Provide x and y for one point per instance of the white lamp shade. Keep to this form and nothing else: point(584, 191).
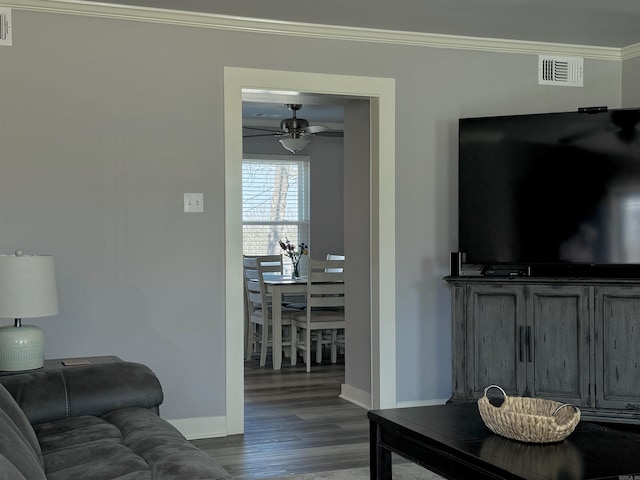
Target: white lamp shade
point(295, 144)
point(27, 286)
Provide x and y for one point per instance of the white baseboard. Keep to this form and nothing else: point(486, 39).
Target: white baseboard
point(355, 396)
point(363, 399)
point(201, 427)
point(422, 403)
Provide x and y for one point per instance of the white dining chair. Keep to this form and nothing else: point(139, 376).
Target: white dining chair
point(260, 309)
point(336, 337)
point(325, 311)
point(250, 272)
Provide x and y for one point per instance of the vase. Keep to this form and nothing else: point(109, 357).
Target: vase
point(295, 272)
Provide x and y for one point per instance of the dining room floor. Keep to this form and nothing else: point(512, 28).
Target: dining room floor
point(295, 423)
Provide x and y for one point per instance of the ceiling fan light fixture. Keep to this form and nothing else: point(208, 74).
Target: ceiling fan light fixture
point(293, 124)
point(295, 144)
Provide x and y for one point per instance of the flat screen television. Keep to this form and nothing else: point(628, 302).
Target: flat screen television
point(555, 193)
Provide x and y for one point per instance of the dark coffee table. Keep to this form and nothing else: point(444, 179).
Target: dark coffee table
point(453, 441)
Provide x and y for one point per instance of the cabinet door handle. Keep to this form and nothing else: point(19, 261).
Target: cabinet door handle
point(529, 339)
point(520, 344)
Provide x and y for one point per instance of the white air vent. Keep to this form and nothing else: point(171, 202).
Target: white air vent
point(567, 71)
point(5, 26)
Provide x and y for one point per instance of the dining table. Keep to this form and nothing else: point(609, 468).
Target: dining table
point(279, 286)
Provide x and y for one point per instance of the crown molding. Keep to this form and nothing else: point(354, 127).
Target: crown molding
point(629, 52)
point(256, 25)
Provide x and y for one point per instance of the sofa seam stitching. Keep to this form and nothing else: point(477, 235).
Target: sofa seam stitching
point(66, 396)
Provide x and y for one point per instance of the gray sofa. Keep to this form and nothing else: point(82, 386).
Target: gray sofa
point(93, 422)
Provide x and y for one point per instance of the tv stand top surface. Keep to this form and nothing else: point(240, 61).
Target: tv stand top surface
point(541, 280)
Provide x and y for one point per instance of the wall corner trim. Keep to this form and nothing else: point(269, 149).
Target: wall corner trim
point(630, 51)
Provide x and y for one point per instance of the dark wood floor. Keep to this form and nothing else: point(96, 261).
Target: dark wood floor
point(294, 423)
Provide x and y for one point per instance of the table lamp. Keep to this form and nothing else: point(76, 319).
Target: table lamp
point(27, 290)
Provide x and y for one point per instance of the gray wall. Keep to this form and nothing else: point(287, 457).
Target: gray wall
point(630, 79)
point(357, 175)
point(104, 123)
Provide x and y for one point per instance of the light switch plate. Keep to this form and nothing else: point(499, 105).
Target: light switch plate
point(5, 27)
point(193, 202)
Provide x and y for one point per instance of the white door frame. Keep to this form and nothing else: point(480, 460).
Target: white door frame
point(381, 93)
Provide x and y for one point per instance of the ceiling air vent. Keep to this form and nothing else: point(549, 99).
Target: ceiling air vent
point(566, 71)
point(5, 26)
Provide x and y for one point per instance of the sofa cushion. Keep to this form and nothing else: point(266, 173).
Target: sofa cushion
point(169, 454)
point(97, 460)
point(75, 431)
point(130, 443)
point(8, 471)
point(18, 442)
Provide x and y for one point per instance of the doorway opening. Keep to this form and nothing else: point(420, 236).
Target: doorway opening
point(381, 94)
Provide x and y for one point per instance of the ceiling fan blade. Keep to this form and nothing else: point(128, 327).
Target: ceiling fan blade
point(331, 133)
point(262, 129)
point(272, 134)
point(312, 129)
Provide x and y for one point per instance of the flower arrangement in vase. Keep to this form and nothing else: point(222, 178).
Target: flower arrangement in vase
point(294, 254)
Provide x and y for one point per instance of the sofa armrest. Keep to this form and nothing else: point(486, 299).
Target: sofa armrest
point(96, 389)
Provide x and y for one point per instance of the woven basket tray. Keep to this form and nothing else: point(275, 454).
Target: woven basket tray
point(532, 420)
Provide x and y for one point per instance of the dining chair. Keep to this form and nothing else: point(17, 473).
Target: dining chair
point(340, 337)
point(325, 311)
point(260, 308)
point(250, 272)
point(339, 340)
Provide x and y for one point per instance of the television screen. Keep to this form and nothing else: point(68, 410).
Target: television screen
point(550, 189)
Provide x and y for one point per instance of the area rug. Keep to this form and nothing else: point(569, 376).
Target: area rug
point(405, 471)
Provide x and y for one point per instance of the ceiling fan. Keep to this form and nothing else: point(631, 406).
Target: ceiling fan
point(294, 133)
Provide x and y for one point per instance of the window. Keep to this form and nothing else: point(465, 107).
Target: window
point(275, 202)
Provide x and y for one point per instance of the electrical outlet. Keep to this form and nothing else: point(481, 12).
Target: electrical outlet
point(193, 202)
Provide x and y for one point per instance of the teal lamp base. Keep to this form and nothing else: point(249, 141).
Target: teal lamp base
point(21, 348)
